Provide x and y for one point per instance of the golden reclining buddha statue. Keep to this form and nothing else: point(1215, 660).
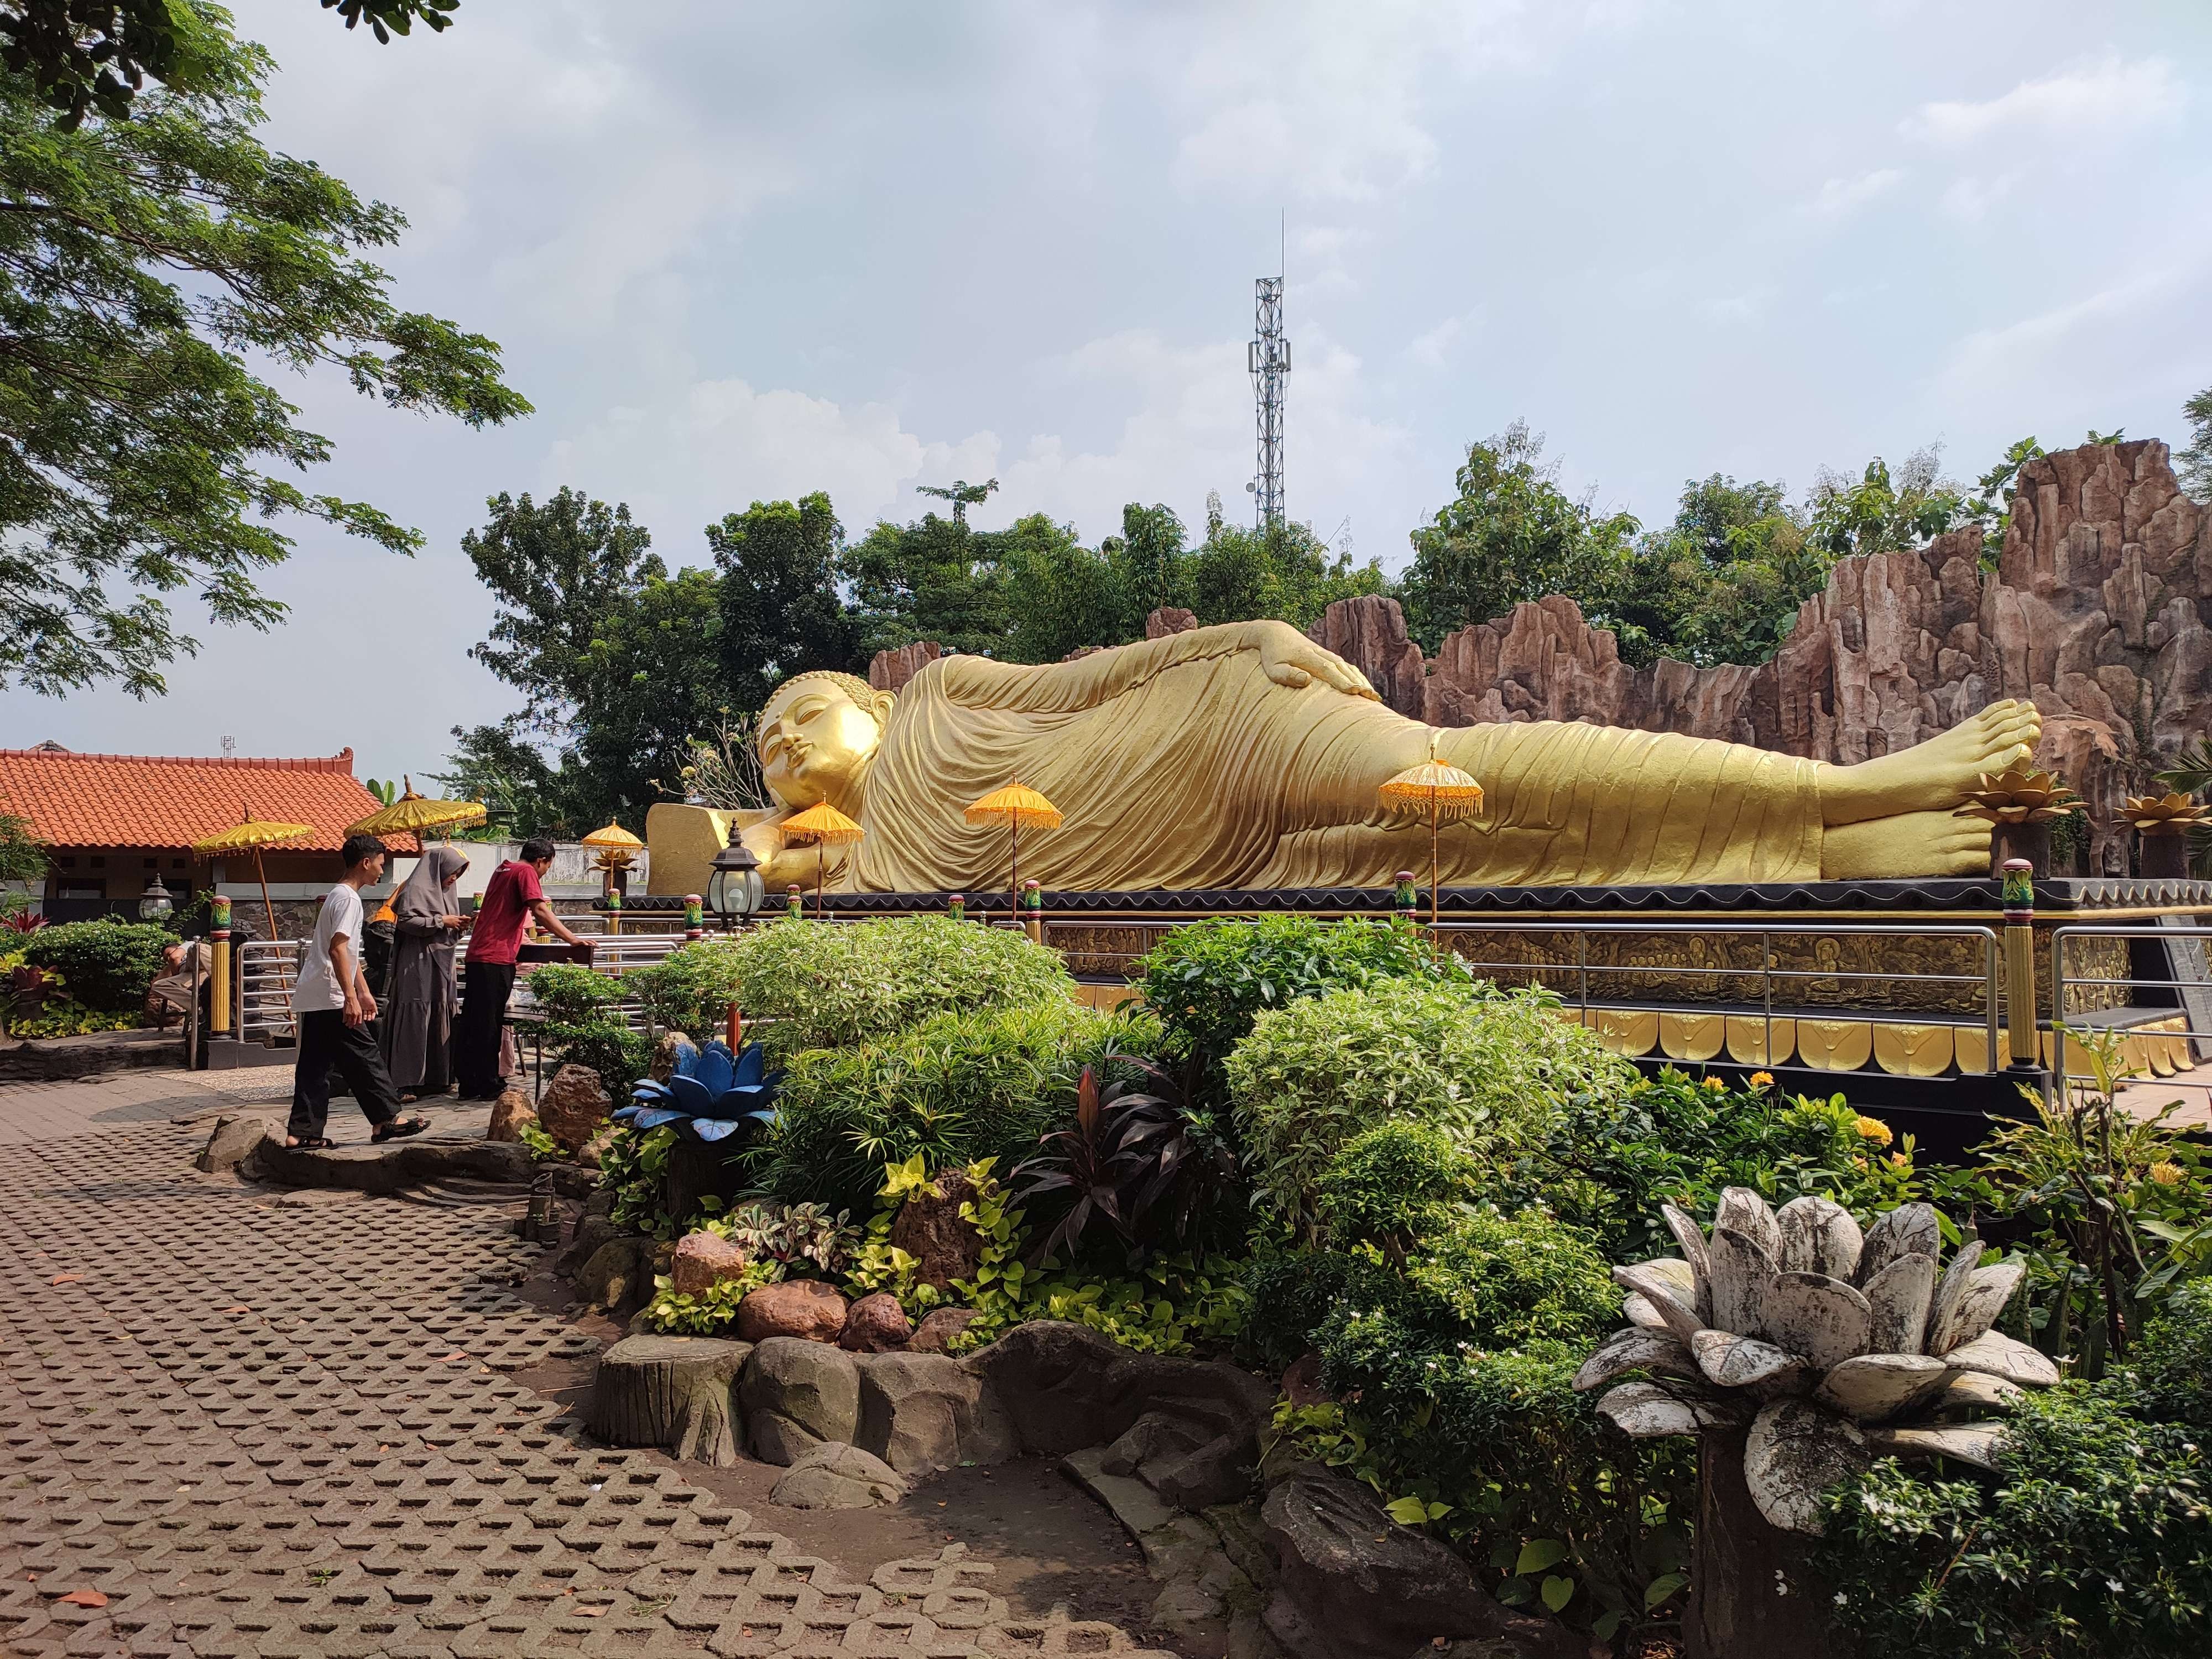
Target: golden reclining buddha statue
point(1245, 756)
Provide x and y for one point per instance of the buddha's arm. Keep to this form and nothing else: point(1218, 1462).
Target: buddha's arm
point(784, 864)
point(1286, 656)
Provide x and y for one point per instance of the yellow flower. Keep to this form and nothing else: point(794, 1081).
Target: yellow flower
point(2168, 1175)
point(1874, 1129)
point(1900, 1161)
point(1715, 1084)
point(1762, 1079)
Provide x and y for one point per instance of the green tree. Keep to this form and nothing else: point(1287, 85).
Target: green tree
point(82, 54)
point(1283, 572)
point(781, 611)
point(1723, 583)
point(1061, 595)
point(2196, 457)
point(522, 793)
point(935, 580)
point(1884, 513)
point(1149, 560)
point(1511, 534)
point(619, 663)
point(141, 262)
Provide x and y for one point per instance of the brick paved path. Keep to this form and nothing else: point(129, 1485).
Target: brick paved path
point(278, 1432)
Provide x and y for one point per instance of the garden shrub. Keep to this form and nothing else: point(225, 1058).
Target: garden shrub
point(1494, 1069)
point(2172, 1369)
point(582, 1025)
point(956, 1088)
point(832, 985)
point(1209, 981)
point(2093, 1542)
point(107, 966)
point(1393, 1185)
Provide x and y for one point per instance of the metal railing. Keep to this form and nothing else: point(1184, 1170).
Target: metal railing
point(2194, 1025)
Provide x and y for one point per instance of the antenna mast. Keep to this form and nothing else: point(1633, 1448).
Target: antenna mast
point(1268, 357)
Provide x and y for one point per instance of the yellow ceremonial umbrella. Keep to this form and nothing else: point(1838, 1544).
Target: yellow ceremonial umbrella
point(411, 814)
point(1444, 792)
point(822, 824)
point(252, 836)
point(1017, 805)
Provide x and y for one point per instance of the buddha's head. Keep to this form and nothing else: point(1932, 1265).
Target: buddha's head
point(818, 735)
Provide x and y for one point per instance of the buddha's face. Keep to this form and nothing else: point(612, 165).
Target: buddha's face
point(815, 743)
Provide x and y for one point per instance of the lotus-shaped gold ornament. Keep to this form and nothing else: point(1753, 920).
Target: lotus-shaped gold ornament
point(2170, 814)
point(1826, 1347)
point(2020, 794)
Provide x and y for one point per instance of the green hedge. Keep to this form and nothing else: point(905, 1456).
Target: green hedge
point(1492, 1068)
point(956, 1088)
point(106, 965)
point(829, 985)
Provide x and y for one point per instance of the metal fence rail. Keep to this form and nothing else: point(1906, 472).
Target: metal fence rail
point(2189, 994)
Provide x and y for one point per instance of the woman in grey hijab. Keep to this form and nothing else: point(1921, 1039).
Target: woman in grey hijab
point(418, 1017)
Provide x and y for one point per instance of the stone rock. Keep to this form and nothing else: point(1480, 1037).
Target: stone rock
point(1301, 1384)
point(1352, 1583)
point(922, 1413)
point(930, 1228)
point(509, 1113)
point(235, 1142)
point(877, 1324)
point(595, 1149)
point(795, 1395)
point(1065, 1386)
point(937, 1328)
point(662, 1066)
point(574, 1106)
point(593, 1229)
point(703, 1259)
point(618, 1274)
point(1169, 619)
point(890, 671)
point(805, 1308)
point(393, 1166)
point(837, 1477)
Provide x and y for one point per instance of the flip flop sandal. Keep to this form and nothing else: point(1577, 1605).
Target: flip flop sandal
point(401, 1130)
point(312, 1144)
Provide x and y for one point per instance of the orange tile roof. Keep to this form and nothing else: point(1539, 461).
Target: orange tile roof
point(173, 800)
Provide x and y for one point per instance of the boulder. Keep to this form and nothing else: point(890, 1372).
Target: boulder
point(937, 1328)
point(703, 1259)
point(595, 1150)
point(509, 1113)
point(235, 1141)
point(617, 1275)
point(796, 1395)
point(1302, 1383)
point(593, 1229)
point(662, 1066)
point(930, 1228)
point(1352, 1583)
point(1065, 1386)
point(574, 1106)
point(923, 1413)
point(877, 1324)
point(836, 1477)
point(805, 1308)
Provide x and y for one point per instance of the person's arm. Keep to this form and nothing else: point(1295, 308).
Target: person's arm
point(543, 910)
point(353, 984)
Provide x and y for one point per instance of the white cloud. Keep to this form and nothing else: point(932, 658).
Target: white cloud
point(2088, 355)
point(2108, 97)
point(1433, 350)
point(1971, 198)
point(1838, 199)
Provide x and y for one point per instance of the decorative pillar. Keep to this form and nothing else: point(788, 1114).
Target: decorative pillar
point(794, 900)
point(219, 969)
point(1405, 897)
point(956, 906)
point(734, 1027)
point(1033, 911)
point(695, 916)
point(614, 909)
point(2022, 1016)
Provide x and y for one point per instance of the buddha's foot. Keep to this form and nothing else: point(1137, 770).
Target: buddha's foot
point(1932, 776)
point(1910, 844)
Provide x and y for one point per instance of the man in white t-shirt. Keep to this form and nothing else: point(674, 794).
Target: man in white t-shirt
point(335, 1008)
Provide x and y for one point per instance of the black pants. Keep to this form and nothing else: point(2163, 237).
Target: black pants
point(327, 1042)
point(476, 1038)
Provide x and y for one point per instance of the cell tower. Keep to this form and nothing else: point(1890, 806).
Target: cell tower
point(1268, 356)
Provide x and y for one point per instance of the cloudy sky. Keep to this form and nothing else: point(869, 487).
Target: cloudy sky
point(739, 251)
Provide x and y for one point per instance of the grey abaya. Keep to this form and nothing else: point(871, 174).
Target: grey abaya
point(418, 1018)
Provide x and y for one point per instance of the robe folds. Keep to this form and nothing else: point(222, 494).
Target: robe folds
point(1180, 765)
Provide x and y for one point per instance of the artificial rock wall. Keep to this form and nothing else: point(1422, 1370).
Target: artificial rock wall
point(2094, 613)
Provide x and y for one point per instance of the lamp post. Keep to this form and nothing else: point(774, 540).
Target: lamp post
point(155, 903)
point(734, 888)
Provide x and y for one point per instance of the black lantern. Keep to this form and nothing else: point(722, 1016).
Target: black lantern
point(155, 903)
point(734, 891)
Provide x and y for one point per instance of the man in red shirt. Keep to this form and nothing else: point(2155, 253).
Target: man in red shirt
point(512, 898)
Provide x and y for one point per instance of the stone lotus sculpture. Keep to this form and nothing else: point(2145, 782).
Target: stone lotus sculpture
point(710, 1094)
point(1825, 1346)
point(2169, 814)
point(2020, 794)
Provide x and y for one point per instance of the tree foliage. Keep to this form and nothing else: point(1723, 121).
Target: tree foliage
point(142, 262)
point(2196, 457)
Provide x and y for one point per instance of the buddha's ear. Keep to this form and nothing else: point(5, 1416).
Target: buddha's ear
point(879, 704)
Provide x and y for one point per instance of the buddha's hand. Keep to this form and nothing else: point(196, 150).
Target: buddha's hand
point(1292, 660)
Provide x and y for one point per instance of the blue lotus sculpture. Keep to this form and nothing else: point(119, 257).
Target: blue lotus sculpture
point(710, 1094)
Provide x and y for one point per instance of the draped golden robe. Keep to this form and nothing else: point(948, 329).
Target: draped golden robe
point(1182, 764)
